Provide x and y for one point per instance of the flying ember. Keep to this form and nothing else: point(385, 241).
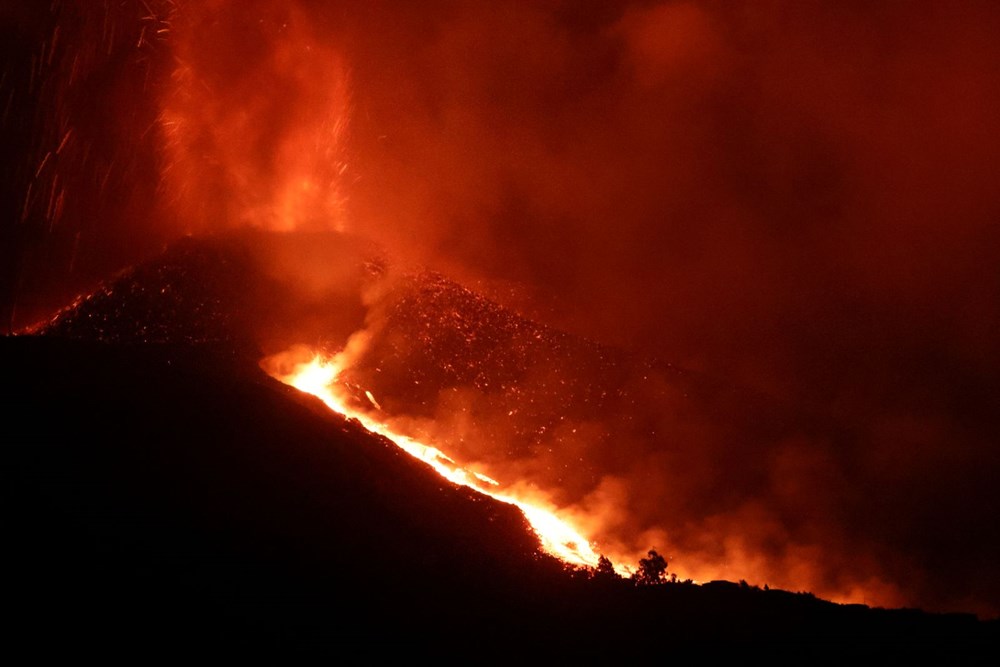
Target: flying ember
point(319, 374)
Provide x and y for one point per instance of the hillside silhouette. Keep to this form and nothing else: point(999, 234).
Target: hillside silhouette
point(166, 496)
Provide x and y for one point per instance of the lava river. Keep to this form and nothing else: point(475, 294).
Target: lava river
point(318, 373)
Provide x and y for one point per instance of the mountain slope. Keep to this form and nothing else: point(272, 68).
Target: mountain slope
point(165, 495)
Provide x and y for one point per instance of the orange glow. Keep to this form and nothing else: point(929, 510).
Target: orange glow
point(254, 120)
point(317, 374)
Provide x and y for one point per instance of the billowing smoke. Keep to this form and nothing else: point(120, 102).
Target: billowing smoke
point(254, 119)
point(792, 200)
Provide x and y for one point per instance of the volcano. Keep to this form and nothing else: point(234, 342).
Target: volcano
point(166, 495)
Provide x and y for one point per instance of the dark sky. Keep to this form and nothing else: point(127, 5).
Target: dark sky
point(798, 196)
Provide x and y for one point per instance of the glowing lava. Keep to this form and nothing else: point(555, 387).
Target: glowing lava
point(318, 375)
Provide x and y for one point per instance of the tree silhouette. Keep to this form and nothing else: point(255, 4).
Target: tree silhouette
point(605, 570)
point(652, 570)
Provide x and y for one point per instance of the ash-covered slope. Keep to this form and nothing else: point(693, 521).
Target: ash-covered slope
point(244, 290)
point(728, 482)
point(196, 292)
point(166, 495)
point(168, 501)
point(441, 352)
point(520, 399)
point(175, 482)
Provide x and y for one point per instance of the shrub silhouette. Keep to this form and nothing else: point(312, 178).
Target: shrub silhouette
point(605, 570)
point(652, 570)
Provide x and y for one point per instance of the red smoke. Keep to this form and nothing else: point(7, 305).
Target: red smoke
point(253, 120)
point(797, 197)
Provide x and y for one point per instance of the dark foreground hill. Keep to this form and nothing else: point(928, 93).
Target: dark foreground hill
point(172, 499)
point(165, 496)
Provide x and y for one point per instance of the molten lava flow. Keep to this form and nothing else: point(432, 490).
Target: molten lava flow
point(318, 375)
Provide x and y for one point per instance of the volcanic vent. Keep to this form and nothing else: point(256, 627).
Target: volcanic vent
point(424, 337)
point(585, 439)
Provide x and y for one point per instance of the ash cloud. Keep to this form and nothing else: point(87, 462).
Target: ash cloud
point(797, 199)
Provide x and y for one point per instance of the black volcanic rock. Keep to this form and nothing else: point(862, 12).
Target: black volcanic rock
point(197, 291)
point(156, 476)
point(244, 290)
point(166, 497)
